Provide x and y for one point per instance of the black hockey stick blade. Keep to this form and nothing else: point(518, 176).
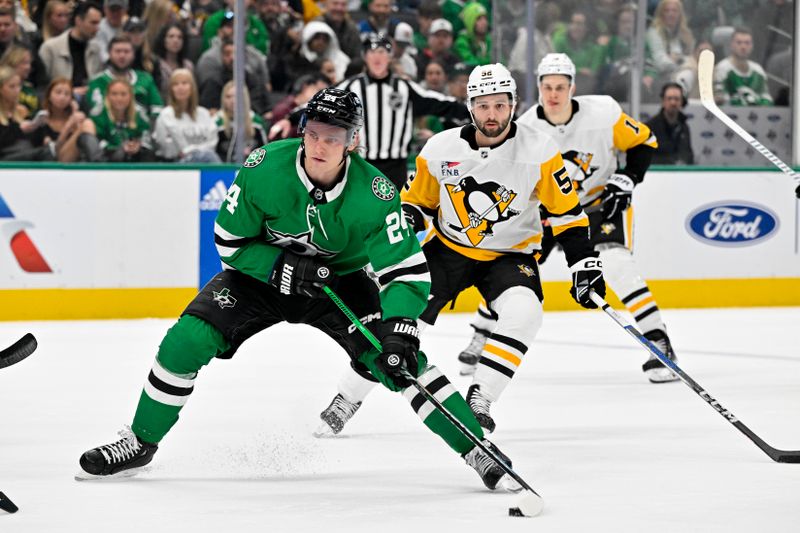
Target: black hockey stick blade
point(18, 351)
point(7, 505)
point(779, 456)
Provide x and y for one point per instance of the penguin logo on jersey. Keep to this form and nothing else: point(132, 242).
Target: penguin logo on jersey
point(479, 206)
point(607, 228)
point(224, 298)
point(579, 166)
point(527, 270)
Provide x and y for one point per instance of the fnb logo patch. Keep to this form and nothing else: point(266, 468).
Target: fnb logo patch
point(25, 251)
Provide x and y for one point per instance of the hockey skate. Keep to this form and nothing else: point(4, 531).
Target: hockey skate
point(491, 473)
point(480, 406)
point(335, 416)
point(119, 459)
point(654, 369)
point(469, 357)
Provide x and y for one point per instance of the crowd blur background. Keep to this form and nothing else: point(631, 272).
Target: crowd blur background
point(147, 81)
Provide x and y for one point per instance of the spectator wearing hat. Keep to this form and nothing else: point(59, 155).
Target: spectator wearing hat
point(379, 19)
point(255, 32)
point(474, 45)
point(671, 128)
point(440, 44)
point(346, 31)
point(115, 14)
point(404, 62)
point(74, 54)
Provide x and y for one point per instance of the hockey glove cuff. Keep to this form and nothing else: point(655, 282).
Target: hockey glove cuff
point(587, 274)
point(301, 275)
point(617, 196)
point(414, 217)
point(400, 342)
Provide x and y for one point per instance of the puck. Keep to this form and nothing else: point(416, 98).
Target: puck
point(514, 511)
point(7, 505)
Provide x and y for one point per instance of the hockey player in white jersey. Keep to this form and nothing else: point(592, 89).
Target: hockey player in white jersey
point(481, 186)
point(591, 131)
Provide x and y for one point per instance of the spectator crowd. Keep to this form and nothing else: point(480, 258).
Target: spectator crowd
point(151, 80)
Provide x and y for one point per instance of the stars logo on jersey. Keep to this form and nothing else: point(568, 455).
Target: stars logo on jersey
point(479, 206)
point(299, 244)
point(528, 271)
point(255, 158)
point(579, 166)
point(224, 298)
point(382, 188)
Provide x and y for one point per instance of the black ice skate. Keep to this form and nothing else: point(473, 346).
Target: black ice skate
point(118, 459)
point(491, 473)
point(654, 369)
point(480, 406)
point(335, 416)
point(469, 357)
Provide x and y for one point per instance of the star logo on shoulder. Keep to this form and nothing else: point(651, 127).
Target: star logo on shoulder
point(224, 298)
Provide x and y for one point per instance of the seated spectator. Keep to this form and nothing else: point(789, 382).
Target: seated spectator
point(435, 77)
point(379, 19)
point(304, 88)
point(66, 126)
point(427, 12)
point(56, 19)
point(74, 54)
point(284, 26)
point(671, 129)
point(452, 9)
point(404, 62)
point(10, 32)
point(671, 44)
point(255, 135)
point(171, 53)
point(346, 31)
point(255, 32)
point(122, 131)
point(737, 79)
point(211, 85)
point(115, 14)
point(546, 16)
point(575, 41)
point(15, 144)
point(157, 14)
point(185, 131)
point(474, 45)
point(20, 59)
point(318, 43)
point(440, 44)
point(120, 66)
point(328, 69)
point(143, 57)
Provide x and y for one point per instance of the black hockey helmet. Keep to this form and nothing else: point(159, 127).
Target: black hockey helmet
point(374, 41)
point(336, 107)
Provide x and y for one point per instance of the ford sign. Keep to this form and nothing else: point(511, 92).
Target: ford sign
point(732, 224)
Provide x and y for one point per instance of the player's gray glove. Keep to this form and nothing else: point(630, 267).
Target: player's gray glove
point(400, 343)
point(617, 196)
point(587, 274)
point(301, 275)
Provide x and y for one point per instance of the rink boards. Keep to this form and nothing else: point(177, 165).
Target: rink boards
point(105, 243)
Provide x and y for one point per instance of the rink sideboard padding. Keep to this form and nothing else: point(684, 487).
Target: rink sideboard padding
point(124, 242)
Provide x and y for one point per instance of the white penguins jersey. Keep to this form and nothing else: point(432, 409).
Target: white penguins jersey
point(591, 141)
point(485, 201)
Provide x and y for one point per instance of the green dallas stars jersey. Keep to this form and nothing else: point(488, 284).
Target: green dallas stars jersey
point(272, 206)
point(741, 88)
point(145, 92)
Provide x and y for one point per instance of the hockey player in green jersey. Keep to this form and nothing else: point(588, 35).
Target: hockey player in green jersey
point(300, 215)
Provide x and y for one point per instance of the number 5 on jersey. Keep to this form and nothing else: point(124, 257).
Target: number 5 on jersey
point(562, 178)
point(233, 198)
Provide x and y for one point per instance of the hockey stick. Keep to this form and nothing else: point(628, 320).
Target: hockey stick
point(705, 75)
point(780, 456)
point(530, 504)
point(480, 218)
point(18, 351)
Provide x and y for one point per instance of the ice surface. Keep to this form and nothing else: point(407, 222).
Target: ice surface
point(608, 451)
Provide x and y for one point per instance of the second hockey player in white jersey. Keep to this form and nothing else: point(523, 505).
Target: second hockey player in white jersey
point(591, 131)
point(482, 186)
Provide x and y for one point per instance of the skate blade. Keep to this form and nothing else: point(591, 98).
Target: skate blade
point(509, 484)
point(467, 369)
point(661, 375)
point(85, 476)
point(324, 431)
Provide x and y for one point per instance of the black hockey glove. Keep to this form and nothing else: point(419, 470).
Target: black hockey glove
point(414, 217)
point(617, 196)
point(301, 275)
point(400, 342)
point(587, 274)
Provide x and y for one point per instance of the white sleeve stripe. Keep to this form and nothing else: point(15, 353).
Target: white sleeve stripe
point(416, 259)
point(171, 379)
point(225, 235)
point(410, 278)
point(226, 251)
point(566, 219)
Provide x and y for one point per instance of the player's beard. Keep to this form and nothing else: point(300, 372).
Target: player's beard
point(501, 127)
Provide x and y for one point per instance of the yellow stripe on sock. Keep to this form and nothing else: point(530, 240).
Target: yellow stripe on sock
point(637, 306)
point(510, 357)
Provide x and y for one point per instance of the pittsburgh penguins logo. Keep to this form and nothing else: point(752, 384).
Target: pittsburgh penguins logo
point(579, 166)
point(479, 206)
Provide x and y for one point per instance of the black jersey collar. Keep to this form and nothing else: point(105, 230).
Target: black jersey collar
point(541, 115)
point(320, 196)
point(468, 134)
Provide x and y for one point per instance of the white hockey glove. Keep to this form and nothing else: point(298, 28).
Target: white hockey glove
point(617, 196)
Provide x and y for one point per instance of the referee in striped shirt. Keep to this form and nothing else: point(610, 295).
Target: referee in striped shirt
point(390, 105)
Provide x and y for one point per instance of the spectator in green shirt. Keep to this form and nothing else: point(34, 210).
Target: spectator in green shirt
point(575, 41)
point(474, 45)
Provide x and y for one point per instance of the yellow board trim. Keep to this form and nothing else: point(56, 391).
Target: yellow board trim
point(675, 294)
point(78, 304)
point(499, 352)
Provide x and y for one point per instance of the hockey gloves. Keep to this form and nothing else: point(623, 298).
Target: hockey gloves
point(301, 275)
point(400, 342)
point(587, 274)
point(617, 196)
point(414, 218)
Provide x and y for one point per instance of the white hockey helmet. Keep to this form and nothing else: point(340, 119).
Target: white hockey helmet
point(490, 79)
point(556, 64)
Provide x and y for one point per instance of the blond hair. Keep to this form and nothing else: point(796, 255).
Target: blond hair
point(189, 107)
point(47, 27)
point(227, 120)
point(14, 56)
point(684, 33)
point(130, 112)
point(7, 74)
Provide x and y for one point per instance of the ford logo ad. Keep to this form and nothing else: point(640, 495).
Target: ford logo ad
point(732, 224)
